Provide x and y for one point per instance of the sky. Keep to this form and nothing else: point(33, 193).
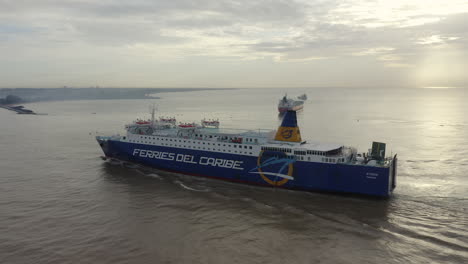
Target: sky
point(233, 44)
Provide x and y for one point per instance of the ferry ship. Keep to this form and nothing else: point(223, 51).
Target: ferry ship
point(286, 104)
point(278, 159)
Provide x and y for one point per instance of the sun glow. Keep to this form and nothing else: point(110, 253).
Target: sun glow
point(441, 67)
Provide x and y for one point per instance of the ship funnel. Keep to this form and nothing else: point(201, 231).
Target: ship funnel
point(289, 131)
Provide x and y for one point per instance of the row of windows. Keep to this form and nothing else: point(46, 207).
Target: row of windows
point(277, 149)
point(314, 152)
point(198, 142)
point(330, 160)
point(195, 147)
point(296, 152)
point(309, 158)
point(225, 137)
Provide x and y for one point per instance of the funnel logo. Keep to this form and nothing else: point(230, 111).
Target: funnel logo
point(274, 167)
point(287, 133)
point(290, 134)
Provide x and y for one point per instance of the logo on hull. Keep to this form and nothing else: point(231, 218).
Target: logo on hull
point(274, 167)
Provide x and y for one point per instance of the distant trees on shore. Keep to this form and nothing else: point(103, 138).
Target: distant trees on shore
point(11, 99)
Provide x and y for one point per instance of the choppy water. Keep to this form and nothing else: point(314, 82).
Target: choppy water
point(60, 203)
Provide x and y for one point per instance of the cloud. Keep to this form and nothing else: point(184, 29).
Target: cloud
point(397, 13)
point(392, 34)
point(374, 51)
point(436, 39)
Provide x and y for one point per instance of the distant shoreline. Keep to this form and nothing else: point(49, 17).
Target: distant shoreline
point(18, 109)
point(31, 95)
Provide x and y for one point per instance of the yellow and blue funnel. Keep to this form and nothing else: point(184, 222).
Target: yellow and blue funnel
point(289, 131)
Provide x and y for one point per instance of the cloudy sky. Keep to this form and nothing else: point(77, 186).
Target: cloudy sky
point(221, 43)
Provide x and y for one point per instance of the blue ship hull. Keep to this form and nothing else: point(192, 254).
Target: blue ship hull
point(263, 170)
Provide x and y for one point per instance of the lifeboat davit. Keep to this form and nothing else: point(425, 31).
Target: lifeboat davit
point(142, 122)
point(210, 123)
point(171, 120)
point(187, 125)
